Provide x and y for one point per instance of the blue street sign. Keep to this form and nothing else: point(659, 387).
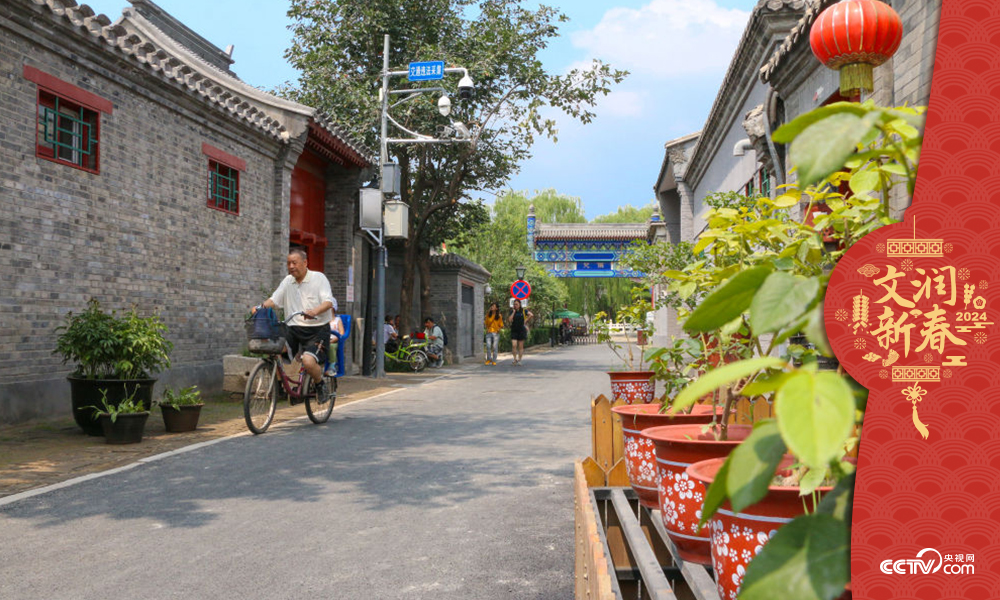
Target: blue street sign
point(426, 71)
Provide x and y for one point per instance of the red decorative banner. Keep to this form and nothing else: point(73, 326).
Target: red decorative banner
point(913, 313)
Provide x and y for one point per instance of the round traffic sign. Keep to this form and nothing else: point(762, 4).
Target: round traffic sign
point(520, 289)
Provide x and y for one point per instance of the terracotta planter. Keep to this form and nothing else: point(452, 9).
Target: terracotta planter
point(182, 418)
point(126, 429)
point(640, 457)
point(680, 497)
point(738, 537)
point(633, 387)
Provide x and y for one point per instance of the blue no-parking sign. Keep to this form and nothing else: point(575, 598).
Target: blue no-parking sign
point(520, 289)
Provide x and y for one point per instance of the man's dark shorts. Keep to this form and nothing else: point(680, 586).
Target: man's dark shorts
point(312, 340)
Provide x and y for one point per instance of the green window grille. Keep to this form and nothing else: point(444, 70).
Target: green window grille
point(67, 132)
point(223, 187)
point(765, 183)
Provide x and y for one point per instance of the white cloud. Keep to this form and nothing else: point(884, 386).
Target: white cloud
point(666, 37)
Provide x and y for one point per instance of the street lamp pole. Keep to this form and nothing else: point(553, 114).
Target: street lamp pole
point(381, 254)
point(458, 132)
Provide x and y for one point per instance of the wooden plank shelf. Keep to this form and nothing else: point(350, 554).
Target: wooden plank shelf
point(629, 556)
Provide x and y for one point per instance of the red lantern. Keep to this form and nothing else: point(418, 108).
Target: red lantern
point(855, 36)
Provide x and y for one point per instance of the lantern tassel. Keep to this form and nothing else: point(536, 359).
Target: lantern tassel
point(855, 77)
point(920, 426)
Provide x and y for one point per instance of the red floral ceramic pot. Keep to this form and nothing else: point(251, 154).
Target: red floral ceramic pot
point(738, 537)
point(640, 458)
point(680, 497)
point(633, 387)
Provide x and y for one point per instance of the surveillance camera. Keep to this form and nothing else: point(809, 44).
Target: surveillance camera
point(444, 106)
point(461, 131)
point(444, 132)
point(465, 88)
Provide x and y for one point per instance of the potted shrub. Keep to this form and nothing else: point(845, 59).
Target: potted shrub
point(777, 290)
point(122, 422)
point(181, 409)
point(631, 384)
point(669, 365)
point(117, 354)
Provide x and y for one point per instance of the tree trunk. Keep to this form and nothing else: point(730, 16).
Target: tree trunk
point(424, 264)
point(410, 251)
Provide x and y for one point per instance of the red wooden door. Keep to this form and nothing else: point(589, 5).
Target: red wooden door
point(307, 221)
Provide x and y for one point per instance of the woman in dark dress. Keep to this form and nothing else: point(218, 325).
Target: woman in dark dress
point(518, 322)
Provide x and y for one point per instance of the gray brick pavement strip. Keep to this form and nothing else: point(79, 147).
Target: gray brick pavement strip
point(458, 488)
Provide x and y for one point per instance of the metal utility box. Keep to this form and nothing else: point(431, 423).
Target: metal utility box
point(397, 219)
point(370, 210)
point(390, 179)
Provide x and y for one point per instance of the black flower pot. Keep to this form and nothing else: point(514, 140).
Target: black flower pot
point(87, 392)
point(127, 428)
point(182, 418)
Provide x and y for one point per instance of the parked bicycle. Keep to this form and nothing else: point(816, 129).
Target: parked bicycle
point(408, 352)
point(268, 379)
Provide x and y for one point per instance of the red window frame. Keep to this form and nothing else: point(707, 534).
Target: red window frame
point(71, 99)
point(223, 164)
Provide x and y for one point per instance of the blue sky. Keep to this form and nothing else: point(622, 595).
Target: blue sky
point(676, 50)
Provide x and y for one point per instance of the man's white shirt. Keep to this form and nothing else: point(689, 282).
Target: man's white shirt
point(313, 290)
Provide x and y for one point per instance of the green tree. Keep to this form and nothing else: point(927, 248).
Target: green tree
point(501, 245)
point(628, 214)
point(337, 45)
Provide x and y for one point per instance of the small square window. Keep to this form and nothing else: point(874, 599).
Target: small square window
point(67, 132)
point(223, 187)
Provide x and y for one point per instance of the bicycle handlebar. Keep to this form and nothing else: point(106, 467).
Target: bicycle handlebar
point(288, 320)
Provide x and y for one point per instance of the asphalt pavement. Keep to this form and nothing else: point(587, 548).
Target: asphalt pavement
point(458, 488)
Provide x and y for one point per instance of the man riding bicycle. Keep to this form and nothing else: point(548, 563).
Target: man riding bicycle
point(309, 292)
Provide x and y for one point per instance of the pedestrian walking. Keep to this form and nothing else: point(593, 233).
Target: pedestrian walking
point(493, 323)
point(518, 321)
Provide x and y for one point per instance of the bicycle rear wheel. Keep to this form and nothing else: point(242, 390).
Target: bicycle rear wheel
point(418, 361)
point(260, 397)
point(319, 409)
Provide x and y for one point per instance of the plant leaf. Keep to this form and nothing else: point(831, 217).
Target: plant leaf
point(752, 465)
point(825, 146)
point(724, 375)
point(728, 301)
point(789, 131)
point(716, 494)
point(807, 559)
point(839, 501)
point(815, 414)
point(780, 300)
point(863, 182)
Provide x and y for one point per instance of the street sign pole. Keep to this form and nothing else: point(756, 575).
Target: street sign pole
point(381, 258)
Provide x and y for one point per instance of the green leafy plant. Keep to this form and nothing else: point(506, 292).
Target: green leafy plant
point(189, 396)
point(633, 317)
point(107, 346)
point(674, 366)
point(770, 267)
point(127, 406)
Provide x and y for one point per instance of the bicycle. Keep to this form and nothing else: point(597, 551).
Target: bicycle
point(408, 352)
point(260, 398)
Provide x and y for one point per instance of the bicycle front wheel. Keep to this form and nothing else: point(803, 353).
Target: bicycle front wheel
point(319, 409)
point(418, 361)
point(260, 398)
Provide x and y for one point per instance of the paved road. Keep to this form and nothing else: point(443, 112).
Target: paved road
point(459, 488)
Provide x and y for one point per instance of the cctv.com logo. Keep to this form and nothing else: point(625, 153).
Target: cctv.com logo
point(930, 561)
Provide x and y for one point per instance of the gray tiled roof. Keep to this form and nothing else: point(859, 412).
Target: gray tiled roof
point(591, 231)
point(141, 42)
point(799, 32)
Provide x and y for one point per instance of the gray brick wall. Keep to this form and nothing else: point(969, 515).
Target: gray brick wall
point(139, 233)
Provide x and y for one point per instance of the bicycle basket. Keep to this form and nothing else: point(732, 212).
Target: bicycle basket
point(267, 346)
point(266, 334)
